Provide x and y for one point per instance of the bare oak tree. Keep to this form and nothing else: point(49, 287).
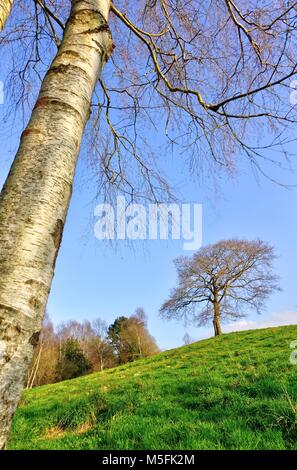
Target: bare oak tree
point(209, 75)
point(222, 281)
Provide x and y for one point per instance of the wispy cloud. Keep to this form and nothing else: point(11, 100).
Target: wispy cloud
point(275, 319)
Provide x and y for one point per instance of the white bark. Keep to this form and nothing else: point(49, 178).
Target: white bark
point(5, 9)
point(36, 195)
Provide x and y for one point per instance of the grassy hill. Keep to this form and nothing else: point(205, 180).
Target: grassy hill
point(234, 392)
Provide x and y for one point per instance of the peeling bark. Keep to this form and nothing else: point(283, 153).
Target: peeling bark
point(5, 9)
point(35, 198)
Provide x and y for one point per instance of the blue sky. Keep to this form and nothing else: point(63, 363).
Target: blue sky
point(94, 279)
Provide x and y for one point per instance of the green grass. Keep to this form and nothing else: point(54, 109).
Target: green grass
point(238, 391)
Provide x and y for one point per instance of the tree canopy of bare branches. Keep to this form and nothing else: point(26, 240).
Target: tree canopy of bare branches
point(210, 76)
point(222, 281)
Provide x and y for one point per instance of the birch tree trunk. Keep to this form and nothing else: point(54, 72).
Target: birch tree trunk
point(36, 195)
point(5, 9)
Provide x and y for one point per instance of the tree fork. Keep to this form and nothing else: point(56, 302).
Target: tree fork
point(36, 195)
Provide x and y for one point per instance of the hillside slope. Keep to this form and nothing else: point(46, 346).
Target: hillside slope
point(238, 391)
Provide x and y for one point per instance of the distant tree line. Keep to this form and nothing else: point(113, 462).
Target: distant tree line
point(76, 348)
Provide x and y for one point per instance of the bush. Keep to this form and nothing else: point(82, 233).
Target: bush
point(73, 362)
